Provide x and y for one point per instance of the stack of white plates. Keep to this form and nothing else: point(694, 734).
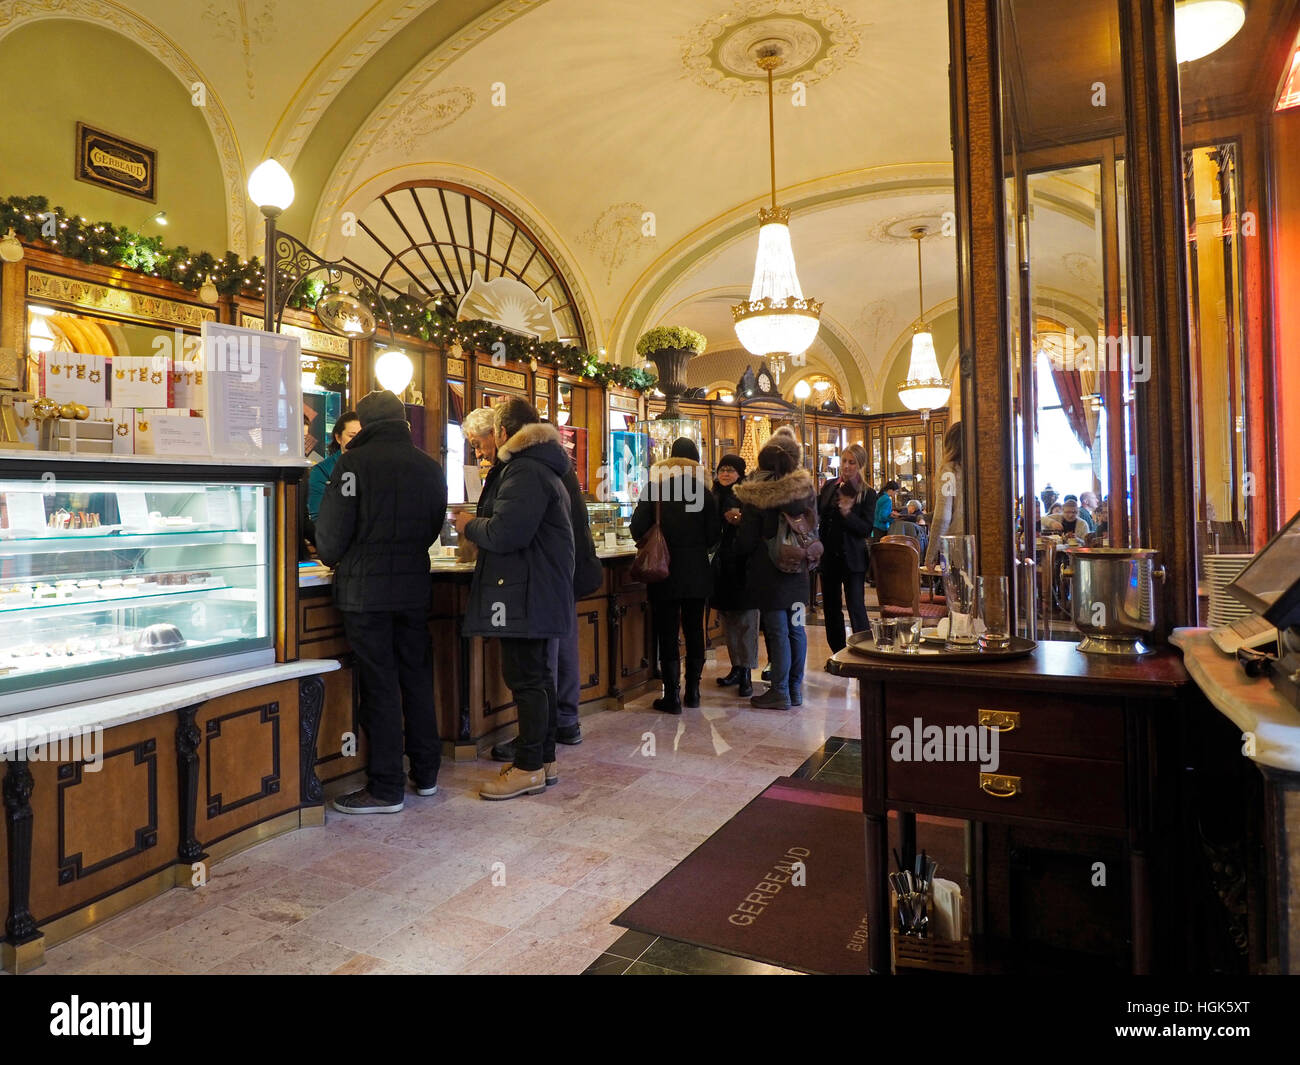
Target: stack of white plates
point(1220, 571)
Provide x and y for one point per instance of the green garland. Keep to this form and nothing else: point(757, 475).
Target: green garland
point(108, 244)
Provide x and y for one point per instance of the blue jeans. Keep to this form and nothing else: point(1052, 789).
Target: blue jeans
point(787, 647)
point(563, 654)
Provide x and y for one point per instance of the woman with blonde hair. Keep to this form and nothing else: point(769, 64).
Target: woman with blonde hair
point(949, 507)
point(846, 506)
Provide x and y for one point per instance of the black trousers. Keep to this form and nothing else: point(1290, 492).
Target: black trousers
point(667, 615)
point(395, 669)
point(838, 587)
point(526, 669)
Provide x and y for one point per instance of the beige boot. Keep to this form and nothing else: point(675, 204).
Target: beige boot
point(512, 782)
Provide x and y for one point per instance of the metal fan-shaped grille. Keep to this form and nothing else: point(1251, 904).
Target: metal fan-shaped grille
point(427, 240)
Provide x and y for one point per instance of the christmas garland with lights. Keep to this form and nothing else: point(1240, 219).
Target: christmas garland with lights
point(34, 221)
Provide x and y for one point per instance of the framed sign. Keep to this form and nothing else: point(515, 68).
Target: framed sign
point(116, 163)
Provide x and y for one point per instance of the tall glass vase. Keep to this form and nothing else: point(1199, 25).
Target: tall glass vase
point(959, 565)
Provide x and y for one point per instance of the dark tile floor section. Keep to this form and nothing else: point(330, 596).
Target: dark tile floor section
point(838, 761)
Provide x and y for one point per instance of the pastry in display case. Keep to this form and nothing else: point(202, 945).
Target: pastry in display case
point(100, 580)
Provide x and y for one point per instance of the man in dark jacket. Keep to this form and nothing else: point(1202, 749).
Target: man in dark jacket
point(732, 597)
point(522, 590)
point(679, 488)
point(383, 508)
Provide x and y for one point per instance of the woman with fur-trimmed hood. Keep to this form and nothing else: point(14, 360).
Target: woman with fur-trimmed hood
point(688, 518)
point(782, 597)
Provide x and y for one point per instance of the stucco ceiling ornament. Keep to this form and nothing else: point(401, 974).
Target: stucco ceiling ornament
point(616, 234)
point(254, 25)
point(817, 39)
point(1080, 265)
point(433, 111)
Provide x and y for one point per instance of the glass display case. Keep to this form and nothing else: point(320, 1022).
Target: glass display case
point(102, 581)
point(609, 518)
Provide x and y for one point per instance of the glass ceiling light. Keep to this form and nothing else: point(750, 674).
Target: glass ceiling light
point(925, 389)
point(802, 390)
point(777, 320)
point(1205, 26)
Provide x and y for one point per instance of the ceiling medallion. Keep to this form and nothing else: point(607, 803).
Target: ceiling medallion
point(901, 229)
point(815, 38)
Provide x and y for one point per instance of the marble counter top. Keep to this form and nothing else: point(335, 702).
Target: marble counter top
point(317, 579)
point(1250, 703)
point(149, 702)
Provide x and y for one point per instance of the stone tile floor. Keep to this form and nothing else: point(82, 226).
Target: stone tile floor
point(455, 884)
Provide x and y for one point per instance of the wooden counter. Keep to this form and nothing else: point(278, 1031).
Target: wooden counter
point(473, 702)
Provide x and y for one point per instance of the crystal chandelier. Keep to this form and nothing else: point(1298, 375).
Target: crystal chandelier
point(924, 390)
point(777, 320)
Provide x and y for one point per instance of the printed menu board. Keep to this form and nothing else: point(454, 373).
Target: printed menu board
point(254, 392)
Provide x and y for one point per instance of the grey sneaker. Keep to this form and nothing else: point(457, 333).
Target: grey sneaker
point(362, 802)
point(432, 789)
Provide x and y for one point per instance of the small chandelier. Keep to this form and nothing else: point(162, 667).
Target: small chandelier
point(777, 320)
point(924, 390)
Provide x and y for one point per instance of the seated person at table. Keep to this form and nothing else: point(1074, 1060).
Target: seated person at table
point(1068, 522)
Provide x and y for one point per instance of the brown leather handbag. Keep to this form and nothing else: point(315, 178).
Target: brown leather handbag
point(651, 563)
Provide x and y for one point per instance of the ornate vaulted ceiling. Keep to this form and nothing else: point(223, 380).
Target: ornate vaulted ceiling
point(629, 137)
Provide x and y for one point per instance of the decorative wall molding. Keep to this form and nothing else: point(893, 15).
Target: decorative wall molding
point(87, 295)
point(253, 26)
point(344, 176)
point(16, 13)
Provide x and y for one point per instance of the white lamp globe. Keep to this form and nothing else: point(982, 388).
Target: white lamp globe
point(1205, 26)
point(802, 390)
point(393, 371)
point(270, 187)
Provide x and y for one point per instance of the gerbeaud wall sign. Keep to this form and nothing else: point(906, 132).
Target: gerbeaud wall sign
point(116, 163)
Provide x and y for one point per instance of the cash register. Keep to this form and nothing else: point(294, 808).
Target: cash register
point(1270, 587)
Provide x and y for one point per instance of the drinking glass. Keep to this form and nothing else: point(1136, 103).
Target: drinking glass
point(958, 564)
point(885, 631)
point(995, 613)
point(909, 634)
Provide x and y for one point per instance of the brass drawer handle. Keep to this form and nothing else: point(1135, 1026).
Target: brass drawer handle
point(999, 785)
point(1000, 720)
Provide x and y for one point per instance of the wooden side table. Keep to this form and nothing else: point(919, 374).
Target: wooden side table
point(1087, 746)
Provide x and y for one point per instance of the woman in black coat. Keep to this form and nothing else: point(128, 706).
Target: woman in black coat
point(846, 508)
point(731, 595)
point(782, 597)
point(688, 519)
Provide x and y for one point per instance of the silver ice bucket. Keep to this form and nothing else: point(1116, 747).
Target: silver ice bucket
point(1112, 597)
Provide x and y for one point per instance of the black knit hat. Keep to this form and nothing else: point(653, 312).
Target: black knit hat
point(380, 407)
point(684, 448)
point(734, 461)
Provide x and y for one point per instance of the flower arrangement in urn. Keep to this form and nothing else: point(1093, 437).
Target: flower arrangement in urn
point(670, 347)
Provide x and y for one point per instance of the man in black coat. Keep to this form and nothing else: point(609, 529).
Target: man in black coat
point(522, 590)
point(588, 578)
point(383, 508)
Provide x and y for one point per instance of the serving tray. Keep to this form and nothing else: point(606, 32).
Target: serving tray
point(864, 643)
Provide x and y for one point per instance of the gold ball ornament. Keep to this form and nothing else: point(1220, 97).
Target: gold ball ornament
point(80, 411)
point(68, 410)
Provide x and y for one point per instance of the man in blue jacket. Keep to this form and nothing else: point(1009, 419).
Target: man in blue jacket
point(522, 592)
point(383, 508)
